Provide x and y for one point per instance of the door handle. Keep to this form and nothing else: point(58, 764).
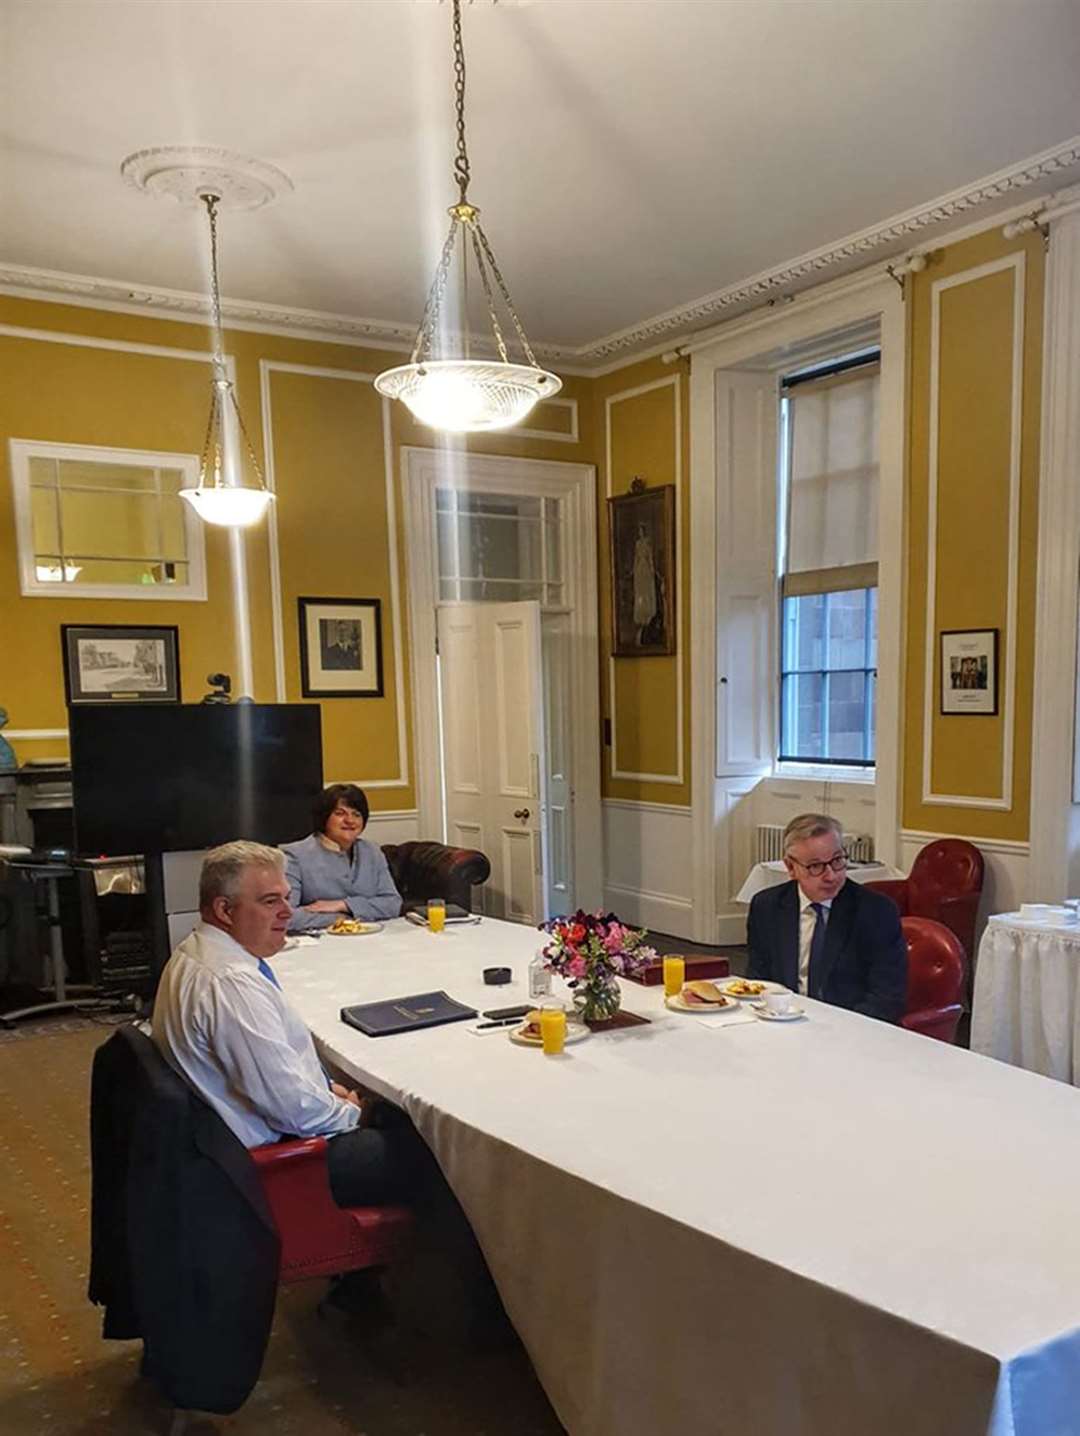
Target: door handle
point(522, 813)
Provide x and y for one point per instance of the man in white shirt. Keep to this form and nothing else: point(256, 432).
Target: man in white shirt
point(223, 1023)
point(824, 936)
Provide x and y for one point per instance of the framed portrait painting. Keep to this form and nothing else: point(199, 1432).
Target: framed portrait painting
point(118, 663)
point(642, 534)
point(341, 647)
point(969, 671)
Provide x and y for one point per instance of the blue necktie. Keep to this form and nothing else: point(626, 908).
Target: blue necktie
point(268, 972)
point(817, 949)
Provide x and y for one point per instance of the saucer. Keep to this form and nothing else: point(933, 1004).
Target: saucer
point(793, 1014)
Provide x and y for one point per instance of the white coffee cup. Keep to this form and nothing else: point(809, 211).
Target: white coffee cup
point(778, 1003)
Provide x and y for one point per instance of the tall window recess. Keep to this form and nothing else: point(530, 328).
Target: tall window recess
point(105, 523)
point(828, 562)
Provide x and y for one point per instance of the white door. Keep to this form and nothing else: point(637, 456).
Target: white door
point(492, 702)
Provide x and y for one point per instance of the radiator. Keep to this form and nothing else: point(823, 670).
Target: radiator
point(770, 844)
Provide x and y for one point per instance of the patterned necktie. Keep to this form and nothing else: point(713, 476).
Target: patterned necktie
point(817, 949)
point(268, 972)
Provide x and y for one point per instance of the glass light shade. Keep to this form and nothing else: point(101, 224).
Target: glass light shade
point(227, 505)
point(466, 396)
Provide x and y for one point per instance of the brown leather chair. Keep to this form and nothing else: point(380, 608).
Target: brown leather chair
point(935, 979)
point(944, 884)
point(433, 870)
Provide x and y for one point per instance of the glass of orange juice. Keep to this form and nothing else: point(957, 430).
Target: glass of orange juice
point(436, 914)
point(674, 976)
point(553, 1029)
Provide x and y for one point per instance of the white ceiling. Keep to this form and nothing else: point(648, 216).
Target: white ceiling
point(629, 155)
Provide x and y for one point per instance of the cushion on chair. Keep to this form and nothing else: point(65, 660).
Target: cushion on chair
point(423, 870)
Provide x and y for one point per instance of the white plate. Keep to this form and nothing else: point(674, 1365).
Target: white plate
point(679, 1004)
point(363, 930)
point(575, 1032)
point(791, 1015)
point(765, 987)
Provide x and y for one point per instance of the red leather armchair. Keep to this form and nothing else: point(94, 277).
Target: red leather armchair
point(433, 870)
point(945, 884)
point(319, 1238)
point(935, 979)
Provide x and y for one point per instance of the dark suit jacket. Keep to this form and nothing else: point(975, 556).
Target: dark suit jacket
point(864, 965)
point(184, 1252)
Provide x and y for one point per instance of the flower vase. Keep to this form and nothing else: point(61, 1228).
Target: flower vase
point(598, 999)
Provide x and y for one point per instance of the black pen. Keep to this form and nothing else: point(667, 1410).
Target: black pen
point(500, 1022)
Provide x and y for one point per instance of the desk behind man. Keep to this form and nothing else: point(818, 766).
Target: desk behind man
point(824, 936)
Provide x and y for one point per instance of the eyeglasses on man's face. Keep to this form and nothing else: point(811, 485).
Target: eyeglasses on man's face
point(838, 862)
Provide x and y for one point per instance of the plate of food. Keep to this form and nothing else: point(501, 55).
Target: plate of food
point(352, 927)
point(749, 987)
point(700, 996)
point(528, 1034)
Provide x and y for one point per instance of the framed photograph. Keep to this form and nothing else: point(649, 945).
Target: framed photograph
point(341, 647)
point(115, 663)
point(969, 671)
point(642, 529)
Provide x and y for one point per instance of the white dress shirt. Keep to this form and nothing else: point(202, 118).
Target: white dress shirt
point(228, 1029)
point(807, 923)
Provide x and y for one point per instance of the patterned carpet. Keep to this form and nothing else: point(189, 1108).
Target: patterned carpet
point(322, 1377)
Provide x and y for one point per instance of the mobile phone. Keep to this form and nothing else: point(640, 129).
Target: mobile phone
point(498, 1013)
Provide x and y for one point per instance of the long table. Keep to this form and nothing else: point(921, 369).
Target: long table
point(816, 1228)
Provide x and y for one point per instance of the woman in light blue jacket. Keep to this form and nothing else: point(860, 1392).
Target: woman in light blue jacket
point(335, 873)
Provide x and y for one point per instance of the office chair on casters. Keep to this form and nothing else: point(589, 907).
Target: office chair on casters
point(935, 978)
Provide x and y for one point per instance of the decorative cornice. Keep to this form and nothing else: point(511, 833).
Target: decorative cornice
point(889, 235)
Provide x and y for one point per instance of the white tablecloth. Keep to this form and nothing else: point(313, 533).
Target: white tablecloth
point(825, 1227)
point(771, 875)
point(1026, 1007)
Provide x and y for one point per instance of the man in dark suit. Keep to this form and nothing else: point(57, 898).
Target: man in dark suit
point(824, 936)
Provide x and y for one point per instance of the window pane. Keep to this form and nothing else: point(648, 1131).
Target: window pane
point(553, 538)
point(847, 715)
point(804, 632)
point(43, 472)
point(76, 473)
point(112, 525)
point(503, 506)
point(444, 529)
point(490, 547)
point(803, 715)
point(173, 532)
point(127, 571)
point(498, 590)
point(43, 516)
point(847, 629)
point(555, 595)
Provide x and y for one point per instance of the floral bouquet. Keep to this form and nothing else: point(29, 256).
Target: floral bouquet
point(592, 950)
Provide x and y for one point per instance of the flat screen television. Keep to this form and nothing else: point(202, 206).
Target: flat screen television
point(172, 778)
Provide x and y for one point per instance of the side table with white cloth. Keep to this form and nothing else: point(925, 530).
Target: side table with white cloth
point(828, 1225)
point(1026, 1007)
point(771, 875)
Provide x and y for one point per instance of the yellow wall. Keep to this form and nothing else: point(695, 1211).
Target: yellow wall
point(333, 518)
point(971, 369)
point(643, 429)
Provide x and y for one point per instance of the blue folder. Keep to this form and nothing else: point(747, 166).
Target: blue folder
point(405, 1014)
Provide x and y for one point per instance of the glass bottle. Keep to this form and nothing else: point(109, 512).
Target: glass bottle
point(539, 977)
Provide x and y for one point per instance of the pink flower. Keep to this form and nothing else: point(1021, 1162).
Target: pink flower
point(615, 938)
point(577, 966)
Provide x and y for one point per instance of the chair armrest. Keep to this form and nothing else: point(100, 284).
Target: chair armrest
point(939, 1022)
point(895, 888)
point(959, 914)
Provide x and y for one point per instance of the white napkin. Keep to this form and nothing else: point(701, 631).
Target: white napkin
point(732, 1017)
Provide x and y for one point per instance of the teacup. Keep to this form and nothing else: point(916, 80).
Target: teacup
point(778, 1004)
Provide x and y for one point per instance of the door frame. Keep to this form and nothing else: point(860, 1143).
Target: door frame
point(422, 472)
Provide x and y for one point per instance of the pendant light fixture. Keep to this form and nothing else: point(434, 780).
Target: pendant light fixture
point(221, 496)
point(461, 394)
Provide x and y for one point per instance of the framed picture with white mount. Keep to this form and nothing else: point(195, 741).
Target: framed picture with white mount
point(341, 647)
point(969, 672)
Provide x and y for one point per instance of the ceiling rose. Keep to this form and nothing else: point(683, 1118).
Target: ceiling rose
point(185, 173)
